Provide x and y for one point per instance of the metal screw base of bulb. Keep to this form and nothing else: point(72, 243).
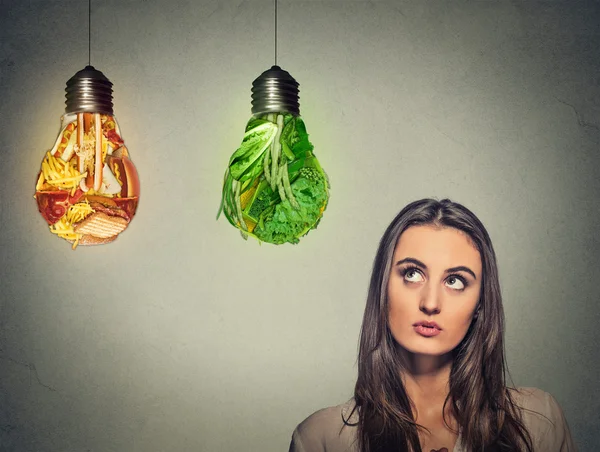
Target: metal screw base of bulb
point(89, 91)
point(275, 91)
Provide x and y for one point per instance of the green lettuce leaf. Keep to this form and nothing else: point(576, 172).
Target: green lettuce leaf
point(255, 142)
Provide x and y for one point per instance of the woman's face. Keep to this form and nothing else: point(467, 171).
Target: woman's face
point(433, 289)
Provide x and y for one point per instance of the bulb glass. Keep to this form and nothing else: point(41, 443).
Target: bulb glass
point(87, 189)
point(274, 188)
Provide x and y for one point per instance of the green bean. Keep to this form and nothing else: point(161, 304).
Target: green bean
point(230, 202)
point(224, 193)
point(288, 189)
point(277, 138)
point(239, 206)
point(274, 158)
point(282, 169)
point(276, 150)
point(230, 216)
point(281, 191)
point(266, 166)
point(227, 198)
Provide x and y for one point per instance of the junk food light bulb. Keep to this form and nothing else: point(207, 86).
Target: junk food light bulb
point(88, 188)
point(274, 187)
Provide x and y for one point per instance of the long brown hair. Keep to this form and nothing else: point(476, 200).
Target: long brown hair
point(480, 401)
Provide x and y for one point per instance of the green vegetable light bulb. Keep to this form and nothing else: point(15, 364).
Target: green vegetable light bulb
point(274, 188)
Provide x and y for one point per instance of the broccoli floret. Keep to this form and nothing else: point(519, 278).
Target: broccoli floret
point(311, 174)
point(263, 200)
point(284, 223)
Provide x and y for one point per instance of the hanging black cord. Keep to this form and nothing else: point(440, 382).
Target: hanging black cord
point(89, 32)
point(275, 32)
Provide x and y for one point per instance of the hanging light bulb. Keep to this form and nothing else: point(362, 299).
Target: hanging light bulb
point(274, 188)
point(88, 188)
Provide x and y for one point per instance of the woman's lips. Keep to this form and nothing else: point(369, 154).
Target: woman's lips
point(427, 329)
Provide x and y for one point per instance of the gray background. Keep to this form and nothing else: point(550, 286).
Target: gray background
point(180, 335)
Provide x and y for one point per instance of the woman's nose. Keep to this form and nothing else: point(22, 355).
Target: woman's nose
point(430, 300)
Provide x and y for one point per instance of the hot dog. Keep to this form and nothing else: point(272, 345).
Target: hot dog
point(89, 155)
point(89, 149)
point(98, 150)
point(80, 152)
point(111, 133)
point(126, 175)
point(63, 141)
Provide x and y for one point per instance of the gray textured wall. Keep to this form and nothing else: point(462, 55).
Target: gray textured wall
point(180, 335)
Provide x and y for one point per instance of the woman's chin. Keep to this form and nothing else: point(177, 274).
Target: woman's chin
point(427, 351)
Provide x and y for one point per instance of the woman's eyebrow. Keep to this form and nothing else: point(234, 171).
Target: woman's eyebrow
point(461, 268)
point(412, 260)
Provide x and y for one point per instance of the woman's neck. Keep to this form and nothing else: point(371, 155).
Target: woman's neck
point(426, 380)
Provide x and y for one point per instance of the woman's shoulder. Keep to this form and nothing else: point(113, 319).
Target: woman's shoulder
point(331, 429)
point(532, 398)
point(544, 419)
point(536, 404)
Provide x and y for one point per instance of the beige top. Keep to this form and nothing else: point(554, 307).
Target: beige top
point(324, 431)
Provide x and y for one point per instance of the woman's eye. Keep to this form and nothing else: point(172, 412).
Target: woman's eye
point(455, 283)
point(413, 275)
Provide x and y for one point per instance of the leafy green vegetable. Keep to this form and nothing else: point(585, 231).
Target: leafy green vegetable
point(255, 122)
point(256, 141)
point(287, 224)
point(274, 188)
point(265, 197)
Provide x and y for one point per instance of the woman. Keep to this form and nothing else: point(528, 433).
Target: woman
point(431, 371)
